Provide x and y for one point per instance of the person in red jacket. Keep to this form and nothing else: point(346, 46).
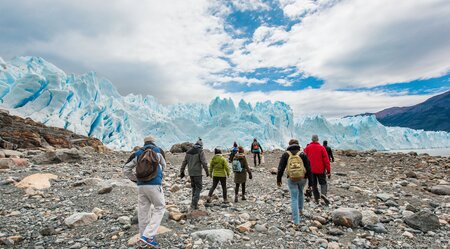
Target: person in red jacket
point(320, 168)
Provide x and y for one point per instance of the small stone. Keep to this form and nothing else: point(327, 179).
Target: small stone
point(175, 188)
point(408, 235)
point(348, 217)
point(80, 219)
point(333, 245)
point(440, 190)
point(105, 190)
point(245, 227)
point(273, 171)
point(423, 220)
point(124, 220)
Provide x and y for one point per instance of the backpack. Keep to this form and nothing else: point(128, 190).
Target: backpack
point(147, 165)
point(255, 146)
point(295, 168)
point(237, 167)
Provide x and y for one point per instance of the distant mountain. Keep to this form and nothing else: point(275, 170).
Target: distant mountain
point(431, 115)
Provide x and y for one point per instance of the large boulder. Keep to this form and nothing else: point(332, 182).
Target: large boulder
point(58, 156)
point(215, 235)
point(348, 217)
point(423, 220)
point(181, 148)
point(440, 189)
point(36, 181)
point(80, 219)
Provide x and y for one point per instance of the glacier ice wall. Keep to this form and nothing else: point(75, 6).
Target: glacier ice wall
point(90, 105)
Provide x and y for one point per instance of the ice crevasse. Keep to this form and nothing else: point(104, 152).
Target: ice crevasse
point(91, 105)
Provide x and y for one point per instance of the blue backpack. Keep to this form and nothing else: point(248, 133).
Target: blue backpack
point(237, 167)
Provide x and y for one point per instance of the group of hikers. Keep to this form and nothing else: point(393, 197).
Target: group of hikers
point(146, 166)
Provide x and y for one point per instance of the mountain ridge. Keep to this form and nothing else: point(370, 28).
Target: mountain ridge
point(432, 114)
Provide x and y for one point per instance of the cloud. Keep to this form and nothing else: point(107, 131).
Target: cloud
point(182, 52)
point(357, 43)
point(148, 47)
point(332, 103)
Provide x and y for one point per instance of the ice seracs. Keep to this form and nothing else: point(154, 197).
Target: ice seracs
point(91, 105)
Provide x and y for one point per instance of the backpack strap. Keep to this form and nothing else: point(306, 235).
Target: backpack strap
point(289, 153)
point(298, 153)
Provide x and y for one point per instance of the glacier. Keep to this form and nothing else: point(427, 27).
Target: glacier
point(90, 105)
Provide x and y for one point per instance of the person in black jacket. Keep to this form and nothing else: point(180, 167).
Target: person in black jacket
point(329, 151)
point(295, 187)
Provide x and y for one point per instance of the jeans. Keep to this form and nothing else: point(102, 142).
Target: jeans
point(259, 158)
point(297, 198)
point(150, 219)
point(223, 183)
point(196, 184)
point(322, 180)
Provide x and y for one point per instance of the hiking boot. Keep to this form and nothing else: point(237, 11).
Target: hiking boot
point(208, 200)
point(243, 198)
point(236, 198)
point(325, 199)
point(148, 242)
point(225, 201)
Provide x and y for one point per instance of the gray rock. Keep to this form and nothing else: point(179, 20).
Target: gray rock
point(385, 196)
point(423, 220)
point(105, 190)
point(348, 217)
point(79, 219)
point(378, 228)
point(215, 235)
point(440, 189)
point(369, 218)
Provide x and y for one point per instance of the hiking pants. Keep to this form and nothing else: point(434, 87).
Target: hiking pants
point(236, 190)
point(322, 180)
point(196, 184)
point(150, 219)
point(223, 183)
point(259, 158)
point(297, 198)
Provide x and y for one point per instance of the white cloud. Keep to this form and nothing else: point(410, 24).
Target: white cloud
point(244, 5)
point(357, 43)
point(284, 82)
point(332, 103)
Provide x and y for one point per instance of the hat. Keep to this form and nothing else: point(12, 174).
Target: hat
point(315, 138)
point(149, 138)
point(241, 149)
point(199, 142)
point(293, 141)
point(217, 151)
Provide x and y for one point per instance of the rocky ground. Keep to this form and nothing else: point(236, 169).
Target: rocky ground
point(79, 199)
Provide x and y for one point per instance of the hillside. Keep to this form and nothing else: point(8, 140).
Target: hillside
point(431, 115)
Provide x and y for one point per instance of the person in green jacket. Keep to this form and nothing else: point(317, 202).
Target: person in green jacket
point(219, 171)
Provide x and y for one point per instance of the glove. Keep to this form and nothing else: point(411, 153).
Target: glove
point(279, 184)
point(250, 175)
point(182, 175)
point(329, 175)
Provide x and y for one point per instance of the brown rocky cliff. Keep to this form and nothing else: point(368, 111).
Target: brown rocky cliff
point(26, 134)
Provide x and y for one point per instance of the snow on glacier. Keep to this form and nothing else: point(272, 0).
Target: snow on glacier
point(90, 105)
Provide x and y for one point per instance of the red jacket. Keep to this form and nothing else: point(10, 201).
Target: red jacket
point(318, 158)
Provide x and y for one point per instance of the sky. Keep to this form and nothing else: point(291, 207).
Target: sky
point(334, 57)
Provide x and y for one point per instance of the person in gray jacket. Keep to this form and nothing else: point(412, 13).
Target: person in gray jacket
point(149, 193)
point(195, 160)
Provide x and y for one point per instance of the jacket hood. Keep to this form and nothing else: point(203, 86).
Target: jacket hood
point(194, 150)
